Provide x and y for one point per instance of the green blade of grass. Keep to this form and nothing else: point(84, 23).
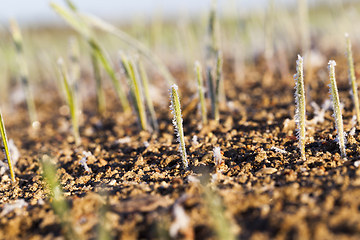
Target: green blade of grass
point(145, 83)
point(135, 89)
point(100, 24)
point(73, 20)
point(178, 123)
point(23, 70)
point(71, 98)
point(75, 71)
point(6, 148)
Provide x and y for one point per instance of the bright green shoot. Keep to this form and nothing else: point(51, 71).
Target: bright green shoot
point(337, 109)
point(71, 99)
point(352, 78)
point(58, 203)
point(135, 89)
point(23, 70)
point(199, 77)
point(6, 147)
point(145, 84)
point(300, 111)
point(73, 20)
point(178, 123)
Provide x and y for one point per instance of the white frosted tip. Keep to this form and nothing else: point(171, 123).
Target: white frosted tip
point(332, 63)
point(300, 57)
point(174, 86)
point(346, 35)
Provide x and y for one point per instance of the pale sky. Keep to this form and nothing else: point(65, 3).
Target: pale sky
point(29, 12)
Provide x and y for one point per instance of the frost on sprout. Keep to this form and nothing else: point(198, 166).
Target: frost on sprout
point(217, 156)
point(334, 95)
point(300, 105)
point(177, 122)
point(84, 160)
point(278, 150)
point(9, 207)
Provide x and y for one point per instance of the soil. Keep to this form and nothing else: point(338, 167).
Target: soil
point(137, 188)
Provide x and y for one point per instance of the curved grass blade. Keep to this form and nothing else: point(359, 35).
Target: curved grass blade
point(73, 20)
point(100, 24)
point(6, 148)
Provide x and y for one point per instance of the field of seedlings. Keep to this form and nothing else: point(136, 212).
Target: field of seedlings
point(261, 139)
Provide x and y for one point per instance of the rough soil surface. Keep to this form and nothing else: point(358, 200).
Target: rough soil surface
point(137, 189)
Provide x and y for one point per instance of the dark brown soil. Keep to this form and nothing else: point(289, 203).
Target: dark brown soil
point(133, 189)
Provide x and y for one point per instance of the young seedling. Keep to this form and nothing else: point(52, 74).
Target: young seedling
point(352, 78)
point(198, 71)
point(6, 147)
point(337, 109)
point(145, 84)
point(300, 115)
point(177, 122)
point(219, 63)
point(58, 203)
point(107, 27)
point(135, 88)
point(73, 20)
point(71, 99)
point(23, 70)
point(101, 102)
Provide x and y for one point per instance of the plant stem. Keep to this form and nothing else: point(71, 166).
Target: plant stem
point(300, 115)
point(6, 147)
point(177, 122)
point(219, 63)
point(352, 78)
point(101, 102)
point(337, 109)
point(145, 83)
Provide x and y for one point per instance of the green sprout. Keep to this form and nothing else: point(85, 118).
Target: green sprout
point(145, 84)
point(135, 88)
point(300, 114)
point(59, 204)
point(199, 77)
point(23, 69)
point(73, 20)
point(337, 109)
point(352, 78)
point(71, 99)
point(6, 147)
point(177, 122)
